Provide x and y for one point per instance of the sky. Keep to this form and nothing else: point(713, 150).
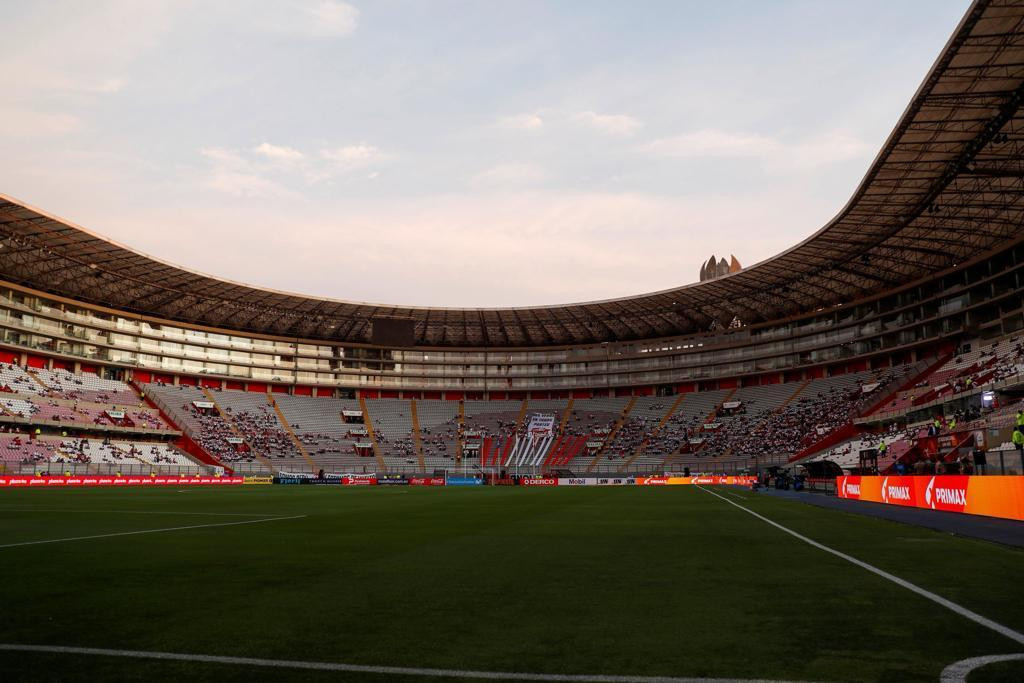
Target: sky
point(470, 154)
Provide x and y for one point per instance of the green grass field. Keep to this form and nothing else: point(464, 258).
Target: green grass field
point(613, 580)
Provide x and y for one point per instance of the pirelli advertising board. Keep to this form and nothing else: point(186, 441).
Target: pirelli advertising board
point(993, 496)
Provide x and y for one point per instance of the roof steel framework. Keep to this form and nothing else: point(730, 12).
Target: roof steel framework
point(947, 186)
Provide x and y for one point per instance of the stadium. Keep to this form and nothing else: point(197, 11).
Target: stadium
point(808, 468)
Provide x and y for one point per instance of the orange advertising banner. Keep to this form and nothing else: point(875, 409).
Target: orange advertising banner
point(990, 496)
point(716, 479)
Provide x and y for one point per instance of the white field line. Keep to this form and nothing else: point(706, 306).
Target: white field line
point(28, 508)
point(148, 531)
point(938, 599)
point(957, 672)
point(363, 668)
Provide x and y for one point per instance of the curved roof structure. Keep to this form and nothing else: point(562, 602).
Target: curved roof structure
point(946, 187)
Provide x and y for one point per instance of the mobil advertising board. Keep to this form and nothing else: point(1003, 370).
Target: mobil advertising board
point(577, 481)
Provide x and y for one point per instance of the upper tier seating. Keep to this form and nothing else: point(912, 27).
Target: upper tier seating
point(756, 404)
point(823, 406)
point(209, 430)
point(256, 420)
point(392, 425)
point(685, 423)
point(62, 411)
point(318, 424)
point(984, 364)
point(496, 419)
point(65, 385)
point(640, 428)
point(438, 432)
point(88, 387)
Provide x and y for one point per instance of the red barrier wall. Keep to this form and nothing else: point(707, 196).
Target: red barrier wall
point(104, 480)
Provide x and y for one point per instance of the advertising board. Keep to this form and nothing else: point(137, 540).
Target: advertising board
point(992, 496)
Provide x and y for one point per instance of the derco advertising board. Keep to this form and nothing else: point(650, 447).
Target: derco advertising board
point(993, 496)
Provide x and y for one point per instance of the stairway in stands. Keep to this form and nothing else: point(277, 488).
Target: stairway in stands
point(611, 435)
point(417, 436)
point(235, 430)
point(654, 433)
point(368, 423)
point(291, 433)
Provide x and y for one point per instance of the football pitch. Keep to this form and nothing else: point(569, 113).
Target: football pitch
point(591, 582)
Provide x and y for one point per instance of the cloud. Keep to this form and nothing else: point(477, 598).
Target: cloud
point(511, 174)
point(72, 51)
point(332, 18)
point(277, 170)
point(246, 184)
point(352, 157)
point(232, 174)
point(609, 124)
point(528, 122)
point(713, 143)
point(316, 19)
point(809, 153)
point(25, 122)
point(284, 155)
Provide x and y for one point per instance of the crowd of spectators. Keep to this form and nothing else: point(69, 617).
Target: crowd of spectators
point(263, 432)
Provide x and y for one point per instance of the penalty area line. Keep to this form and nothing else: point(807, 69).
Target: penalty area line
point(148, 531)
point(364, 668)
point(934, 597)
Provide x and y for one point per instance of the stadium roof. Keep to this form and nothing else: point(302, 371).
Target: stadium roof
point(946, 187)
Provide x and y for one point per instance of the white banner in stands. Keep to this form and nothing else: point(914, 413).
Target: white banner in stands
point(203, 404)
point(116, 414)
point(363, 444)
point(711, 426)
point(732, 405)
point(574, 481)
point(234, 439)
point(358, 431)
point(868, 388)
point(595, 444)
point(352, 413)
point(541, 423)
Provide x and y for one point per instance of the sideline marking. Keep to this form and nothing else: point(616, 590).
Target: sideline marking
point(957, 672)
point(948, 604)
point(139, 512)
point(149, 531)
point(365, 668)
